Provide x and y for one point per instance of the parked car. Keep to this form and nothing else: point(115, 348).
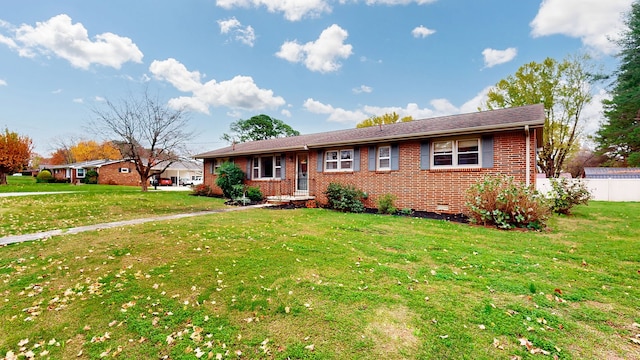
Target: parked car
point(194, 180)
point(165, 182)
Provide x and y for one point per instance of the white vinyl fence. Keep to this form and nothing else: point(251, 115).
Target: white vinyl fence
point(603, 189)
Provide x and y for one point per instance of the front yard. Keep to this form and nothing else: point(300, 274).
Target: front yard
point(316, 284)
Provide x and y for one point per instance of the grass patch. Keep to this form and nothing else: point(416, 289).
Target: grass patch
point(88, 204)
point(316, 284)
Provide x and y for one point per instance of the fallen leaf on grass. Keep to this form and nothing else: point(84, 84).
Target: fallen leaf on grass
point(310, 347)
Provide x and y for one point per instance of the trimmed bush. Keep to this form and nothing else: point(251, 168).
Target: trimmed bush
point(201, 190)
point(565, 194)
point(500, 201)
point(386, 204)
point(91, 177)
point(345, 198)
point(44, 176)
point(230, 175)
point(254, 194)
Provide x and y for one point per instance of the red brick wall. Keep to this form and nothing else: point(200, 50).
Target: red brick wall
point(109, 174)
point(425, 190)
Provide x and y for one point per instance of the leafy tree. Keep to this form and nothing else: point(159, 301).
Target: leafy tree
point(564, 89)
point(385, 119)
point(92, 150)
point(148, 132)
point(15, 152)
point(619, 136)
point(259, 127)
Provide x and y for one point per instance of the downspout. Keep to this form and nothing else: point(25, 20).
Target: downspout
point(528, 156)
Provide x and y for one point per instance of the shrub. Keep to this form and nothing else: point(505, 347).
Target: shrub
point(566, 194)
point(44, 176)
point(91, 177)
point(386, 204)
point(229, 175)
point(500, 201)
point(201, 190)
point(254, 194)
point(345, 198)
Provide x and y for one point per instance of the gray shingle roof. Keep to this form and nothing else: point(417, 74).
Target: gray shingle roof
point(478, 122)
point(611, 173)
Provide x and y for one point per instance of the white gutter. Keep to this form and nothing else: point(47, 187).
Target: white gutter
point(528, 155)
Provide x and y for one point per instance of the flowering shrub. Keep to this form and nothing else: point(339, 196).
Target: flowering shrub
point(500, 201)
point(566, 194)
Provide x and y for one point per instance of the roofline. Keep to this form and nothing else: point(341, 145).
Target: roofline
point(533, 124)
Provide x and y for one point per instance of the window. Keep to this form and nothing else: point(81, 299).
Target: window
point(123, 170)
point(339, 160)
point(216, 163)
point(456, 153)
point(266, 167)
point(80, 173)
point(384, 158)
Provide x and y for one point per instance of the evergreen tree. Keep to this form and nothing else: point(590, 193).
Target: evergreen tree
point(619, 136)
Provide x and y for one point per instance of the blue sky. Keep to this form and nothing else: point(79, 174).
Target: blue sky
point(318, 65)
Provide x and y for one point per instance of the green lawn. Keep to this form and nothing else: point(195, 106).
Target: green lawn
point(88, 204)
point(315, 284)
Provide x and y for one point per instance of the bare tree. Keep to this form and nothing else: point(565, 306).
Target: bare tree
point(147, 132)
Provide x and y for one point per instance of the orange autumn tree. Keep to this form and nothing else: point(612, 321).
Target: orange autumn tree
point(92, 150)
point(15, 152)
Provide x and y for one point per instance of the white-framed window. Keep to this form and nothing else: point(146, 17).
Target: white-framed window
point(123, 170)
point(456, 153)
point(384, 158)
point(266, 167)
point(80, 173)
point(216, 164)
point(338, 160)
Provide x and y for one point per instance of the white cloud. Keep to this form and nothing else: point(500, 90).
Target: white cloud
point(294, 10)
point(99, 99)
point(439, 107)
point(493, 57)
point(71, 42)
point(398, 2)
point(286, 113)
point(233, 27)
point(593, 21)
point(320, 55)
point(57, 91)
point(362, 89)
point(422, 32)
point(78, 101)
point(3, 82)
point(593, 113)
point(238, 93)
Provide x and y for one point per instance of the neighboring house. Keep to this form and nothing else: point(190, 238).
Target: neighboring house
point(76, 172)
point(611, 173)
point(123, 172)
point(427, 164)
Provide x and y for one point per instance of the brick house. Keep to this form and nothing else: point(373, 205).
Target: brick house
point(427, 164)
point(122, 172)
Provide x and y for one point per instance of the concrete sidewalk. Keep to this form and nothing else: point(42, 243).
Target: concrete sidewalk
point(76, 230)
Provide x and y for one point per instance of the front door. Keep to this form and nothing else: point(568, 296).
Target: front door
point(302, 175)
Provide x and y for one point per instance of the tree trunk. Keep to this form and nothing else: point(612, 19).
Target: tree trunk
point(3, 178)
point(144, 185)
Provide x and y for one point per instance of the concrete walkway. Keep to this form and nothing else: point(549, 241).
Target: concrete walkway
point(76, 230)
